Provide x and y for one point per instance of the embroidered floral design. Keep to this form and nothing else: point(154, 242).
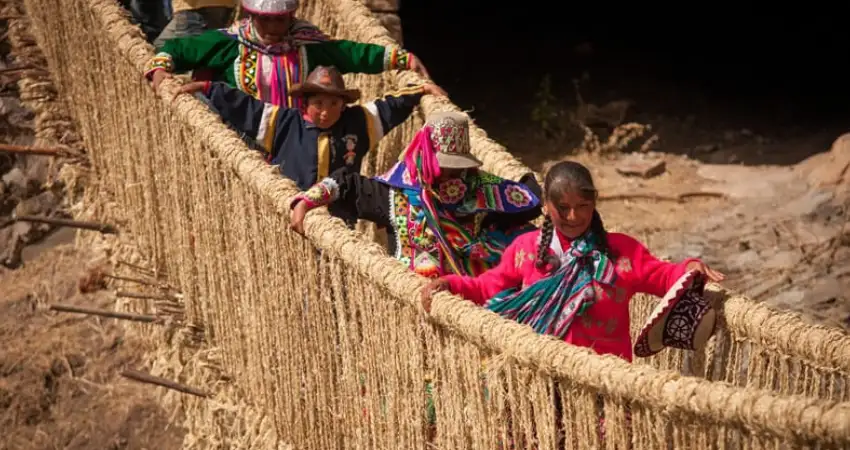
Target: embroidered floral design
point(680, 327)
point(519, 258)
point(350, 146)
point(246, 71)
point(489, 178)
point(517, 196)
point(399, 208)
point(397, 58)
point(624, 265)
point(452, 191)
point(455, 238)
point(476, 251)
point(320, 194)
point(405, 178)
point(620, 295)
point(426, 265)
point(611, 326)
point(450, 137)
point(599, 292)
point(424, 237)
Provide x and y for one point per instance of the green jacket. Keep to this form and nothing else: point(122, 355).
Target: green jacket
point(235, 63)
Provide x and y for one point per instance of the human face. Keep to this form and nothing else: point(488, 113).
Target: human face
point(571, 214)
point(272, 28)
point(324, 109)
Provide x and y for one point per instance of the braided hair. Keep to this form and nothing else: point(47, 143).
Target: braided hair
point(564, 177)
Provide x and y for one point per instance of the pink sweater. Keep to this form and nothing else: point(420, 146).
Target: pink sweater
point(604, 327)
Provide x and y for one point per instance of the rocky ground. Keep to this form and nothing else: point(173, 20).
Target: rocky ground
point(59, 373)
point(59, 382)
point(778, 229)
point(781, 234)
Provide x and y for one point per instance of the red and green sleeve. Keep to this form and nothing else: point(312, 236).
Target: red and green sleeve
point(211, 49)
point(357, 57)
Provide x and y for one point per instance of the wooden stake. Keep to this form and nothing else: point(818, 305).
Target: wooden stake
point(22, 68)
point(95, 226)
point(145, 296)
point(137, 267)
point(159, 381)
point(30, 150)
point(135, 280)
point(106, 313)
point(680, 198)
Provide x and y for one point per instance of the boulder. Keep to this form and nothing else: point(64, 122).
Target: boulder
point(832, 168)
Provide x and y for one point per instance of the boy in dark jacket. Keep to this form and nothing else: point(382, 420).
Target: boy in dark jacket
point(328, 135)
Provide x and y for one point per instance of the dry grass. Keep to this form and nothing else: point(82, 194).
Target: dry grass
point(59, 386)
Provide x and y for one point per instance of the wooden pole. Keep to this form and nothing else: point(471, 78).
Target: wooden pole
point(106, 313)
point(134, 280)
point(22, 68)
point(679, 198)
point(159, 381)
point(30, 150)
point(145, 296)
point(137, 267)
point(95, 226)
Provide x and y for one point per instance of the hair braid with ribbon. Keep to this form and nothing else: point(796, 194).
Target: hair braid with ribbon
point(547, 232)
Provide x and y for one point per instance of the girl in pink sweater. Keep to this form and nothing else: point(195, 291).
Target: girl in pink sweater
point(571, 278)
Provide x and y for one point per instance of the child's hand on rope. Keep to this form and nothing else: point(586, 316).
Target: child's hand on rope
point(417, 66)
point(158, 77)
point(433, 89)
point(191, 88)
point(194, 86)
point(296, 217)
point(438, 285)
point(710, 273)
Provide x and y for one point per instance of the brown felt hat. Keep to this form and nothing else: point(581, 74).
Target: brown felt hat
point(325, 80)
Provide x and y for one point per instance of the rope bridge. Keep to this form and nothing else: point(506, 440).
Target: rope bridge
point(321, 343)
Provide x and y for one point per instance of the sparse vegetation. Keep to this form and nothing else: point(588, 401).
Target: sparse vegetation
point(587, 127)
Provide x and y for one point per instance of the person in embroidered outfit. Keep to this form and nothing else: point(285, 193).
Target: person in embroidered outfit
point(329, 135)
point(443, 215)
point(267, 53)
point(572, 279)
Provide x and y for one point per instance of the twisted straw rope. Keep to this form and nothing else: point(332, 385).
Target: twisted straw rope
point(792, 417)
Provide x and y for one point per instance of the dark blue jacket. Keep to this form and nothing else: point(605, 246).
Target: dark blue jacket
point(294, 143)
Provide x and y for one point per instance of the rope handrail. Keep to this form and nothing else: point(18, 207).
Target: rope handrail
point(167, 224)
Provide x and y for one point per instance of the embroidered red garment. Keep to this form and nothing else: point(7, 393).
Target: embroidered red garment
point(604, 327)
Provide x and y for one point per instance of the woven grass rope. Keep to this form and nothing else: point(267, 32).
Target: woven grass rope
point(320, 343)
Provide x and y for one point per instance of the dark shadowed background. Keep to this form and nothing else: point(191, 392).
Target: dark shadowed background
point(763, 67)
